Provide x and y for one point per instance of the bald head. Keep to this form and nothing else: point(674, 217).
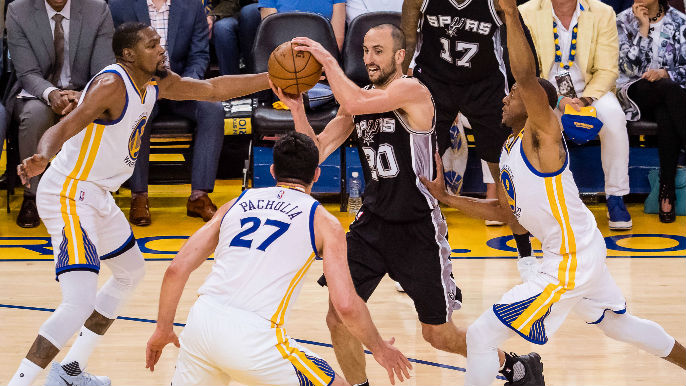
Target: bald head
point(396, 33)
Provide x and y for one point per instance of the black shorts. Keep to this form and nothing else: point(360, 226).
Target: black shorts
point(415, 254)
point(481, 102)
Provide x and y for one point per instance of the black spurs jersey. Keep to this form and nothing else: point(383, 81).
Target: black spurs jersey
point(395, 157)
point(459, 40)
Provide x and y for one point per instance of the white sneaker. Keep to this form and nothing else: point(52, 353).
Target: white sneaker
point(528, 267)
point(398, 287)
point(59, 377)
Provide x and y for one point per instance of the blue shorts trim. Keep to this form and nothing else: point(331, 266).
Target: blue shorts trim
point(508, 313)
point(128, 244)
point(622, 311)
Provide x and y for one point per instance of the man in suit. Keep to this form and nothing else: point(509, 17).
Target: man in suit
point(182, 25)
point(576, 43)
point(56, 47)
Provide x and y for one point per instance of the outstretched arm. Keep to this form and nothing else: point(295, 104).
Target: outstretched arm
point(330, 239)
point(488, 209)
point(410, 22)
point(523, 67)
point(193, 253)
point(215, 89)
point(334, 134)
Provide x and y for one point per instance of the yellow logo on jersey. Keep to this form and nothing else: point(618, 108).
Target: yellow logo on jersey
point(136, 138)
point(508, 185)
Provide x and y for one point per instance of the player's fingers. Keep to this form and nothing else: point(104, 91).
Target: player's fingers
point(176, 341)
point(398, 373)
point(390, 375)
point(406, 361)
point(439, 163)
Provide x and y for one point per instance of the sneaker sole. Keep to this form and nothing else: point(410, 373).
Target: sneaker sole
point(620, 225)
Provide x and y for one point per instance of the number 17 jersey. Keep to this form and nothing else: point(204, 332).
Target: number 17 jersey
point(266, 245)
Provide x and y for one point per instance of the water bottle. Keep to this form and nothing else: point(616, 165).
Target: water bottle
point(354, 199)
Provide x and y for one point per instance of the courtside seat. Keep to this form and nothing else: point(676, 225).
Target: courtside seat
point(171, 139)
point(275, 29)
point(642, 127)
point(353, 63)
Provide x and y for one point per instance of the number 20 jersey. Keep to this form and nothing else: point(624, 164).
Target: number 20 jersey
point(266, 245)
point(459, 40)
point(394, 157)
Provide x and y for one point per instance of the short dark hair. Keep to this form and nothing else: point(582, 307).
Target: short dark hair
point(126, 36)
point(396, 33)
point(550, 91)
point(296, 158)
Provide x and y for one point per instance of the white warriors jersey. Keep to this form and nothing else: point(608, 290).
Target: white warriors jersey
point(105, 152)
point(266, 245)
point(546, 204)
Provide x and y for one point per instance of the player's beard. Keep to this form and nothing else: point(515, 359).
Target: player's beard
point(162, 73)
point(384, 75)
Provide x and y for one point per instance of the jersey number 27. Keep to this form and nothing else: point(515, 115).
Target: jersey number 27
point(241, 240)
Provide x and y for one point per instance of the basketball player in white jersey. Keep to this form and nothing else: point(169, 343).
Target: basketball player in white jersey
point(263, 242)
point(99, 144)
point(543, 196)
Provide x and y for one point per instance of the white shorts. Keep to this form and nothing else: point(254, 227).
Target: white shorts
point(84, 222)
point(537, 308)
point(220, 344)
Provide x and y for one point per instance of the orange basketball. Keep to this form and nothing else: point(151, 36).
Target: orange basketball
point(293, 71)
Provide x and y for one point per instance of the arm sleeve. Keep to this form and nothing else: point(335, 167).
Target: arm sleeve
point(605, 66)
point(103, 55)
point(631, 40)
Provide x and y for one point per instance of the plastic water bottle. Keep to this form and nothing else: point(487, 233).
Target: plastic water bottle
point(354, 199)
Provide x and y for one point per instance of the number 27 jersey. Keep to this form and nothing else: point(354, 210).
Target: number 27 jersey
point(266, 245)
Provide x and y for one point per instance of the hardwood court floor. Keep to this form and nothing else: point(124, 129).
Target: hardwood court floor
point(648, 263)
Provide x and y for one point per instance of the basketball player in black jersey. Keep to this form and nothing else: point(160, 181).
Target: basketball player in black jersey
point(399, 230)
point(461, 60)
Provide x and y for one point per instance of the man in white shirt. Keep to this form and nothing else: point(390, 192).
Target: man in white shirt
point(355, 8)
point(56, 47)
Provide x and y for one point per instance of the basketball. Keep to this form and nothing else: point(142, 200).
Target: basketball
point(293, 71)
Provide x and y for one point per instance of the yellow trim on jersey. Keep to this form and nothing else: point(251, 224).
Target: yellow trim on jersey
point(72, 224)
point(135, 87)
point(300, 360)
point(567, 267)
point(278, 317)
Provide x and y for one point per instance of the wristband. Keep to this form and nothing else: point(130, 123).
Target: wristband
point(559, 99)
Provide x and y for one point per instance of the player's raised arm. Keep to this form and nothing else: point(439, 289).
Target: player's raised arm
point(98, 103)
point(216, 89)
point(330, 240)
point(398, 95)
point(409, 22)
point(192, 254)
point(523, 66)
point(334, 134)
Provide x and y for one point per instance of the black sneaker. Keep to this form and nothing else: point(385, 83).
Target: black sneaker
point(531, 367)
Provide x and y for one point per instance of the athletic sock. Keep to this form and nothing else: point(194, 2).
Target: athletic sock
point(365, 383)
point(26, 373)
point(77, 357)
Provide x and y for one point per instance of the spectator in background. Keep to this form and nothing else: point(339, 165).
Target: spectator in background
point(233, 26)
point(618, 5)
point(182, 25)
point(589, 64)
point(56, 47)
point(652, 83)
point(355, 8)
point(332, 10)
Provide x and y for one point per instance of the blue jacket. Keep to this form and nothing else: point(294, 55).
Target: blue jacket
point(188, 42)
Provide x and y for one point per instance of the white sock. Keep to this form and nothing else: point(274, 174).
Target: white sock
point(80, 352)
point(26, 373)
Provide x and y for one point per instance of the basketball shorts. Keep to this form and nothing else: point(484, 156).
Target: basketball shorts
point(481, 102)
point(537, 308)
point(221, 344)
point(416, 254)
point(85, 224)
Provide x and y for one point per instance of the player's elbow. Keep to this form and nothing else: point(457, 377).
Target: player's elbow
point(345, 307)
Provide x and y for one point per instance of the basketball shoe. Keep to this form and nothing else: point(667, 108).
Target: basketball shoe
point(59, 377)
point(523, 370)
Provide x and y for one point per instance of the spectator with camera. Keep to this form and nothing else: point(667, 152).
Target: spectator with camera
point(652, 81)
point(576, 43)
